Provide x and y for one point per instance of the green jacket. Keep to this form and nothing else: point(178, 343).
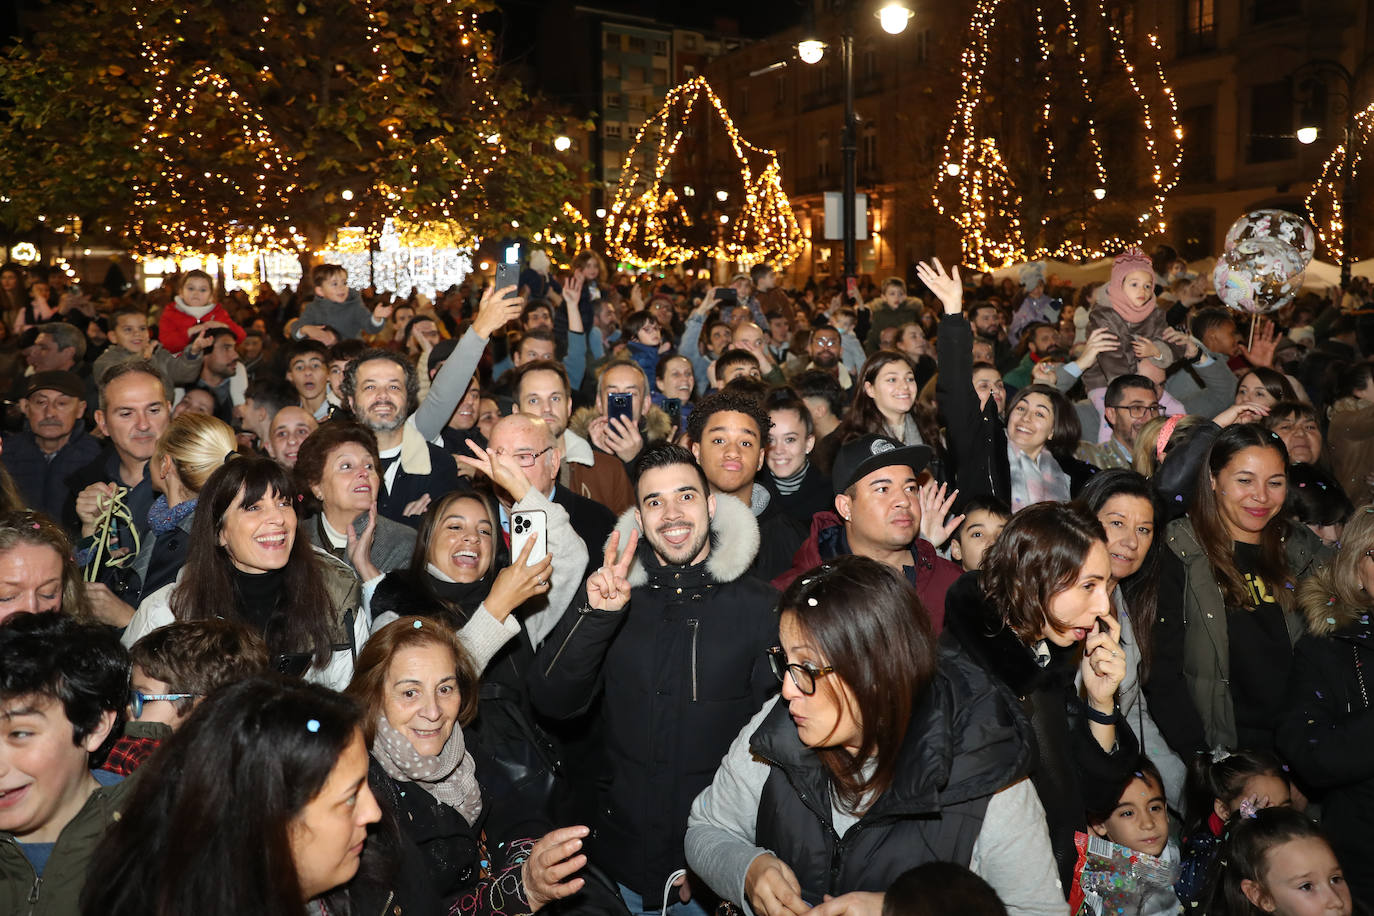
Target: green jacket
point(1206, 640)
point(58, 892)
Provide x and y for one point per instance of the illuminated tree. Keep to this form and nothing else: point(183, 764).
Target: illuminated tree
point(195, 124)
point(1060, 145)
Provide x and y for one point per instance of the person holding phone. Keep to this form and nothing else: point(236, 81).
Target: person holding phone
point(623, 420)
point(1037, 615)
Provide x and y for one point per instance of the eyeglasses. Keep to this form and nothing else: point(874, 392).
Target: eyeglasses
point(526, 459)
point(1139, 410)
point(826, 342)
point(136, 700)
point(804, 675)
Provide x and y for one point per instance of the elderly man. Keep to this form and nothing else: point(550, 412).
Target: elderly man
point(53, 444)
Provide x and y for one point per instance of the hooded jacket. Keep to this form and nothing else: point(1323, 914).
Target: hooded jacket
point(1327, 731)
point(680, 669)
point(1072, 773)
point(930, 574)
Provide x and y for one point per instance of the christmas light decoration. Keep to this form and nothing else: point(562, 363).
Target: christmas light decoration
point(978, 190)
point(1325, 200)
point(648, 224)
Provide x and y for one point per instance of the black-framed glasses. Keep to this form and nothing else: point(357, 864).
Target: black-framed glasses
point(137, 699)
point(1139, 410)
point(804, 674)
point(527, 459)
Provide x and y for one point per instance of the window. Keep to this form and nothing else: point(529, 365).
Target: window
point(614, 100)
point(1199, 144)
point(1193, 230)
point(610, 41)
point(635, 76)
point(637, 102)
point(661, 47)
point(1199, 27)
point(613, 129)
point(689, 42)
point(1271, 123)
point(688, 71)
point(868, 149)
point(610, 70)
point(636, 44)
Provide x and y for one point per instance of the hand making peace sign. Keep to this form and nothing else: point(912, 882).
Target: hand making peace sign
point(608, 589)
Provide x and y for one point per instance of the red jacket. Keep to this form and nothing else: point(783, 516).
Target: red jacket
point(931, 574)
point(174, 327)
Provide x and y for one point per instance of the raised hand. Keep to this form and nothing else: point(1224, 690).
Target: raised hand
point(1099, 341)
point(502, 470)
point(572, 296)
point(498, 308)
point(1266, 341)
point(518, 583)
point(946, 286)
point(1184, 341)
point(1241, 413)
point(608, 589)
point(416, 506)
point(359, 547)
point(545, 873)
point(382, 311)
point(935, 505)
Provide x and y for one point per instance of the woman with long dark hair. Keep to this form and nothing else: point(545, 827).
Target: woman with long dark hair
point(1223, 640)
point(1130, 515)
point(887, 403)
point(1038, 618)
point(1024, 455)
point(249, 563)
point(258, 804)
point(910, 752)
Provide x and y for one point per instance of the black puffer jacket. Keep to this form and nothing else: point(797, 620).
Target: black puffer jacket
point(1072, 774)
point(967, 740)
point(682, 668)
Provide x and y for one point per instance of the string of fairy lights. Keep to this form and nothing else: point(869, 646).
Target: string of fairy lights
point(647, 222)
point(1324, 201)
point(977, 190)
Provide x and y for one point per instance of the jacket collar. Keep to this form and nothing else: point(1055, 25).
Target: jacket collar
point(983, 632)
point(414, 450)
point(577, 450)
point(734, 543)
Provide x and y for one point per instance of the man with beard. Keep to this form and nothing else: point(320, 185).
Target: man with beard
point(824, 349)
point(381, 389)
point(1130, 402)
point(878, 515)
point(542, 389)
point(675, 631)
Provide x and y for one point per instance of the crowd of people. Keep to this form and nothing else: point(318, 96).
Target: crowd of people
point(968, 596)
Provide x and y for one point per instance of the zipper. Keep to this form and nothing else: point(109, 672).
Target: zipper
point(33, 891)
point(695, 626)
point(567, 639)
point(391, 895)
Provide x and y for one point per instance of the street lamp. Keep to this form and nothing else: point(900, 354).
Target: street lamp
point(894, 17)
point(1307, 81)
point(810, 51)
point(562, 143)
point(1100, 193)
point(722, 195)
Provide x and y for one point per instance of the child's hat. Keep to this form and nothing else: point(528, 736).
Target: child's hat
point(1032, 274)
point(1128, 262)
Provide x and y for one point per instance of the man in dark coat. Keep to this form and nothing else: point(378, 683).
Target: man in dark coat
point(678, 654)
point(53, 444)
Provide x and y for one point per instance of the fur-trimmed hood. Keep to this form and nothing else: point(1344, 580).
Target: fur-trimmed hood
point(734, 543)
point(1327, 615)
point(655, 426)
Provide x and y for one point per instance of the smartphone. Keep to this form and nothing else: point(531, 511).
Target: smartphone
point(620, 404)
point(727, 294)
point(673, 408)
point(529, 526)
point(508, 275)
point(851, 286)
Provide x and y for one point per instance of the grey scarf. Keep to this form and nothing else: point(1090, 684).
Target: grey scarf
point(451, 777)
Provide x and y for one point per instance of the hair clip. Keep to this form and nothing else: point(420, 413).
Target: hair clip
point(418, 624)
point(312, 726)
point(1219, 754)
point(1248, 808)
point(37, 526)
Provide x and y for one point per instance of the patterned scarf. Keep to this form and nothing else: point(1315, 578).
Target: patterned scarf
point(1035, 481)
point(162, 518)
point(451, 777)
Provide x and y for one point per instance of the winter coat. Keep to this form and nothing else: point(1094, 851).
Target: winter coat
point(679, 670)
point(350, 318)
point(42, 479)
point(930, 574)
point(1072, 773)
point(959, 794)
point(1122, 360)
point(1327, 732)
point(655, 425)
point(350, 619)
point(883, 316)
point(813, 496)
point(1189, 692)
point(174, 327)
point(426, 470)
point(594, 474)
point(58, 892)
point(176, 370)
point(976, 435)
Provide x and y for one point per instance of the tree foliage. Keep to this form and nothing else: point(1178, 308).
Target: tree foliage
point(196, 123)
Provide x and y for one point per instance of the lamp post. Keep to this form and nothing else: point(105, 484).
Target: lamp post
point(1307, 79)
point(893, 18)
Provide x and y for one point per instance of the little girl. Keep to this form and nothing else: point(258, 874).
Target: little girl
point(1133, 316)
point(194, 305)
point(1219, 790)
point(1140, 823)
point(1278, 863)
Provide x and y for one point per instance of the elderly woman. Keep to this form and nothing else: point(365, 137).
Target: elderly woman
point(337, 470)
point(418, 689)
point(248, 562)
point(37, 572)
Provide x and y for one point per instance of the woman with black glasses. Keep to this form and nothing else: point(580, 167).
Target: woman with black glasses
point(883, 753)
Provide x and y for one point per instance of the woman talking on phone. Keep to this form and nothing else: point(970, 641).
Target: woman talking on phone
point(1036, 615)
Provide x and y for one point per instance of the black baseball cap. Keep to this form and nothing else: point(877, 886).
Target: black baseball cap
point(61, 381)
point(860, 457)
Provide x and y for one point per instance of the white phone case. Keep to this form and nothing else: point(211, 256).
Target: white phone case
point(526, 526)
